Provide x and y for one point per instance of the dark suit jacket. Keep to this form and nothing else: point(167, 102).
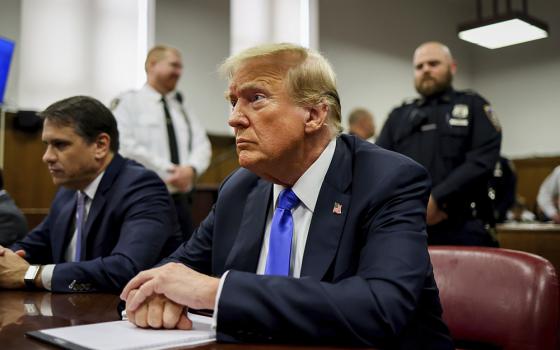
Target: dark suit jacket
point(366, 274)
point(13, 225)
point(131, 224)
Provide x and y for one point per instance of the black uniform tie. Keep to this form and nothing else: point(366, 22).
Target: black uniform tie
point(173, 150)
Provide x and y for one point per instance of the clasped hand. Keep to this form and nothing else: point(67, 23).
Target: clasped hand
point(434, 215)
point(12, 268)
point(181, 177)
point(159, 297)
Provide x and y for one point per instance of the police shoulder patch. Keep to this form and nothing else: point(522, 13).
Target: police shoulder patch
point(117, 100)
point(114, 103)
point(492, 117)
point(408, 101)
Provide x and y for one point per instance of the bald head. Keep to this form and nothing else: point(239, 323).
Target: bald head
point(361, 123)
point(434, 68)
point(434, 48)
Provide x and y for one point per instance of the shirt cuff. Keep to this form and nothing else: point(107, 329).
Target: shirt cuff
point(218, 294)
point(46, 276)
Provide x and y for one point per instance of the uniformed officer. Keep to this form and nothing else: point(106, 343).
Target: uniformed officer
point(159, 132)
point(456, 136)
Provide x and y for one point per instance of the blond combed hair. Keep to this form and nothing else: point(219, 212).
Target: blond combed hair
point(157, 53)
point(309, 79)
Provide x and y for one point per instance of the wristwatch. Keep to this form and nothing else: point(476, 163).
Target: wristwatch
point(30, 275)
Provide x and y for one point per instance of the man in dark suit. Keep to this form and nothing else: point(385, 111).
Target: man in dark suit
point(319, 239)
point(111, 219)
point(13, 225)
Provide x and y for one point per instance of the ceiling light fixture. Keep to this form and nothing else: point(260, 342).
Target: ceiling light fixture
point(513, 27)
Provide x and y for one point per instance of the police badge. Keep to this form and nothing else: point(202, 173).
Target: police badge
point(460, 111)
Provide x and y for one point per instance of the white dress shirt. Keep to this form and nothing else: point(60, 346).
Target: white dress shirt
point(549, 192)
point(307, 189)
point(70, 253)
point(143, 132)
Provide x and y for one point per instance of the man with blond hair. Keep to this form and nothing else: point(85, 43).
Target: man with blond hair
point(319, 238)
point(158, 132)
point(456, 136)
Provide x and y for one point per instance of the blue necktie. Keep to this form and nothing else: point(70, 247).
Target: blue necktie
point(281, 232)
point(80, 213)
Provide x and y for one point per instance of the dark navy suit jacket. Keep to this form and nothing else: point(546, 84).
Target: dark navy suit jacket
point(366, 277)
point(130, 226)
point(13, 225)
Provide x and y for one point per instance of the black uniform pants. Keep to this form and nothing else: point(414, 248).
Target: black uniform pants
point(470, 232)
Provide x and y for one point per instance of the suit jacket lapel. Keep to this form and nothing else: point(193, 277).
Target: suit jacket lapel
point(111, 173)
point(329, 216)
point(245, 252)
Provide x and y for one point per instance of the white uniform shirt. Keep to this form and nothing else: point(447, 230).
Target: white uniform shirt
point(143, 132)
point(549, 192)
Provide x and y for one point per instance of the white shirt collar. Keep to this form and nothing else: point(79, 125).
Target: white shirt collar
point(307, 187)
point(156, 95)
point(91, 189)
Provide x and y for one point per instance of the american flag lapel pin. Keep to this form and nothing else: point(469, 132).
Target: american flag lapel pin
point(337, 209)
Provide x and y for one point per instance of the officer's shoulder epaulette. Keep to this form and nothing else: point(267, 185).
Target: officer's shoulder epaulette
point(468, 92)
point(408, 101)
point(472, 94)
point(115, 102)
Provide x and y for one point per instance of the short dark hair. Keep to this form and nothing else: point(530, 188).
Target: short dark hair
point(87, 116)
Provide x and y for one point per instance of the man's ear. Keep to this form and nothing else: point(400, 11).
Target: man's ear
point(103, 145)
point(316, 118)
point(453, 67)
point(150, 66)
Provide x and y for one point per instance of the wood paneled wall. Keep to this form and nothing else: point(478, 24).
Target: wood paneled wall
point(26, 177)
point(531, 172)
point(224, 160)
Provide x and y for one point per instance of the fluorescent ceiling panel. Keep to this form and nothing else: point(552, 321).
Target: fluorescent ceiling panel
point(506, 33)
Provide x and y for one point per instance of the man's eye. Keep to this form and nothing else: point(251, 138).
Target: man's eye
point(233, 103)
point(257, 97)
point(60, 145)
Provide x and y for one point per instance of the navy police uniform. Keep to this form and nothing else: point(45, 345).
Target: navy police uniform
point(456, 137)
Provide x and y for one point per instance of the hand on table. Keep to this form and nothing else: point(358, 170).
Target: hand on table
point(158, 297)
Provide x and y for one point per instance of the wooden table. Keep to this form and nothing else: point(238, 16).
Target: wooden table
point(538, 238)
point(23, 311)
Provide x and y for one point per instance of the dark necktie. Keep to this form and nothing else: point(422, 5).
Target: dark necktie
point(173, 150)
point(80, 216)
point(281, 232)
point(179, 98)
